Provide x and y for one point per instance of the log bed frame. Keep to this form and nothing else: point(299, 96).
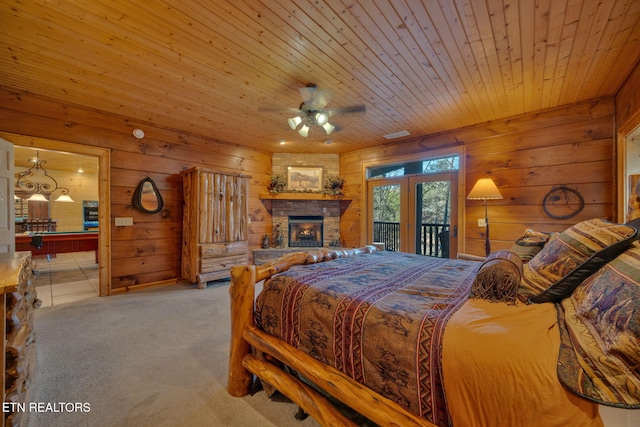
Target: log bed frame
point(243, 365)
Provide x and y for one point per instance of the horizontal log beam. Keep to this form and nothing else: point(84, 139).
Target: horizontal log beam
point(302, 258)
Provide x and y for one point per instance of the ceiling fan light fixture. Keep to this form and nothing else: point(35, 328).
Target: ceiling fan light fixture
point(328, 128)
point(294, 122)
point(322, 118)
point(304, 130)
point(314, 110)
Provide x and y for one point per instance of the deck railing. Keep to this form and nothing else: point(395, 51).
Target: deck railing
point(434, 238)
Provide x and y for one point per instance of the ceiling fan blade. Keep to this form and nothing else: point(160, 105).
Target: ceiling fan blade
point(314, 98)
point(321, 98)
point(278, 110)
point(347, 110)
point(306, 93)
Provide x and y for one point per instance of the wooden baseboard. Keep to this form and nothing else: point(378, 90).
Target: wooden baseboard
point(144, 286)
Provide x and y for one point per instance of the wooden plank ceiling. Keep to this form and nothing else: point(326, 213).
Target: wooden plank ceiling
point(55, 160)
point(231, 70)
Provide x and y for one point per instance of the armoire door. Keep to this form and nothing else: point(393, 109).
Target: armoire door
point(7, 222)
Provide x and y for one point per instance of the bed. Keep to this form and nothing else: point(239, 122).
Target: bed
point(409, 340)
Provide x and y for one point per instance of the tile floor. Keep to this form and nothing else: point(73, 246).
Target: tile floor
point(66, 278)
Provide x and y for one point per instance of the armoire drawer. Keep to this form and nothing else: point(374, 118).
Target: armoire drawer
point(215, 250)
point(209, 265)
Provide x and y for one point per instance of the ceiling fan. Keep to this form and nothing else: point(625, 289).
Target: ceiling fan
point(313, 110)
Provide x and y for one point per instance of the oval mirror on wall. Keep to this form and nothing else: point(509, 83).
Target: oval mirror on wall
point(147, 198)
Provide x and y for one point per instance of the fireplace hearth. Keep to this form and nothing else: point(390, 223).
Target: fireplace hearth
point(305, 231)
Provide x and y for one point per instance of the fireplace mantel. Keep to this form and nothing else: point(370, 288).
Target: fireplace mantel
point(300, 196)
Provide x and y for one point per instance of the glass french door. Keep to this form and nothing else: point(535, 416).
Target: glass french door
point(432, 209)
point(386, 199)
point(415, 213)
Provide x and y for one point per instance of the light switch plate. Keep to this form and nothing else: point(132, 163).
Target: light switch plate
point(482, 222)
point(124, 221)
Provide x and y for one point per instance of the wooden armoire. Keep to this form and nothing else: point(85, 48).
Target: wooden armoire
point(215, 224)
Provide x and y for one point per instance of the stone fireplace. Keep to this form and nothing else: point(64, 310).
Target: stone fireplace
point(305, 231)
point(305, 222)
point(317, 220)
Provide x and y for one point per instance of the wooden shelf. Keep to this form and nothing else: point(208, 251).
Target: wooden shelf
point(300, 196)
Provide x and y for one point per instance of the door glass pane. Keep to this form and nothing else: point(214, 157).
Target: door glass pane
point(386, 216)
point(433, 214)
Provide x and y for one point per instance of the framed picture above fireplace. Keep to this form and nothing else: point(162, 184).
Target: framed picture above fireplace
point(304, 179)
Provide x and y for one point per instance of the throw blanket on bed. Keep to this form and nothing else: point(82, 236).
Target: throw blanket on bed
point(600, 326)
point(379, 318)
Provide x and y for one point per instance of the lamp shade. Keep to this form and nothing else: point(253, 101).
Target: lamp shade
point(304, 130)
point(294, 122)
point(37, 197)
point(484, 189)
point(322, 118)
point(64, 198)
point(328, 128)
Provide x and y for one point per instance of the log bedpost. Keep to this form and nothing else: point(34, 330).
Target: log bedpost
point(241, 291)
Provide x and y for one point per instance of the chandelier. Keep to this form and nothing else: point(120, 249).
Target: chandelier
point(37, 183)
point(308, 117)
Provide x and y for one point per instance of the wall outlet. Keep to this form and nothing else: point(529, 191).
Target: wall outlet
point(482, 222)
point(124, 221)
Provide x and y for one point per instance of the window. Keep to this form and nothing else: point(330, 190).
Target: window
point(435, 165)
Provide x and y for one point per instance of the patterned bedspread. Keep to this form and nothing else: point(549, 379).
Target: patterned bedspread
point(378, 317)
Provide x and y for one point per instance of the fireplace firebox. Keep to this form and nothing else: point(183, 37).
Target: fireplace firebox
point(305, 231)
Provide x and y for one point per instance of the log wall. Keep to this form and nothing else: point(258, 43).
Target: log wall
point(148, 252)
point(526, 156)
point(628, 101)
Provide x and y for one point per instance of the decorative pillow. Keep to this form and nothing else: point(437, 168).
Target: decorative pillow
point(635, 223)
point(600, 326)
point(530, 244)
point(498, 278)
point(572, 256)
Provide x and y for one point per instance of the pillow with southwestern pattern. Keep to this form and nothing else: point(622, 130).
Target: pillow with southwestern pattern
point(600, 326)
point(572, 256)
point(530, 244)
point(498, 278)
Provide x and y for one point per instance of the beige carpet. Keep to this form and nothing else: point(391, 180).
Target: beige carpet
point(149, 358)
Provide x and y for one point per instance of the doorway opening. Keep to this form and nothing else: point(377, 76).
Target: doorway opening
point(629, 173)
point(101, 156)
